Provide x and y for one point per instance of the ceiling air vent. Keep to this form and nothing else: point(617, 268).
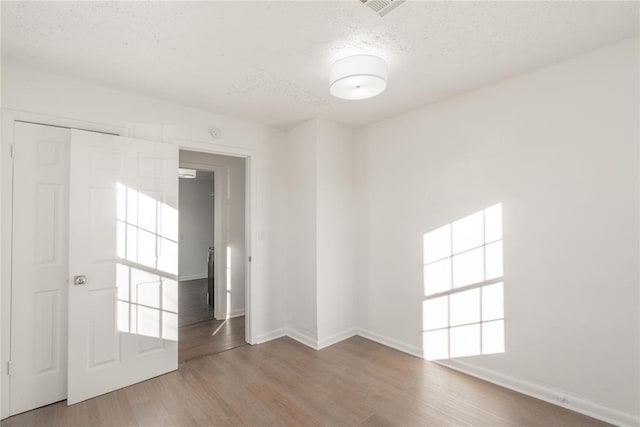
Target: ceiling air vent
point(382, 7)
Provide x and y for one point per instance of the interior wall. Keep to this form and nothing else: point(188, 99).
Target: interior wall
point(336, 280)
point(236, 237)
point(233, 201)
point(320, 257)
point(301, 264)
point(196, 225)
point(558, 147)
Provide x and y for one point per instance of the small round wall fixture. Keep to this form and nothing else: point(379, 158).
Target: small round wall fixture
point(358, 77)
point(215, 132)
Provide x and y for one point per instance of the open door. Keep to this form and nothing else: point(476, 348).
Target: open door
point(123, 262)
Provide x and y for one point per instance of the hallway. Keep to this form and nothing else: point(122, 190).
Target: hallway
point(200, 334)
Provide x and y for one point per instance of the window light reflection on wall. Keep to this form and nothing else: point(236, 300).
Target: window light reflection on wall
point(463, 308)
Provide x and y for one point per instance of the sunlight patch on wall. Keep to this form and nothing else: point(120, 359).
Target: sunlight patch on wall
point(463, 309)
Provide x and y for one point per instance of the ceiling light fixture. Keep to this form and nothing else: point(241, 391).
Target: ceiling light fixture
point(358, 77)
point(186, 173)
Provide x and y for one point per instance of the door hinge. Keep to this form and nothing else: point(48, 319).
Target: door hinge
point(11, 151)
point(249, 258)
point(9, 367)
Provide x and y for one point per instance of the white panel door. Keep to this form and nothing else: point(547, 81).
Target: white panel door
point(123, 233)
point(39, 266)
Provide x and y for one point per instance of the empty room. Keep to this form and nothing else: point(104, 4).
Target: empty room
point(350, 212)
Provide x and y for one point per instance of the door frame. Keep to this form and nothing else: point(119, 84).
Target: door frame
point(249, 200)
point(9, 117)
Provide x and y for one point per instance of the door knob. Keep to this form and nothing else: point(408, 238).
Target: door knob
point(79, 280)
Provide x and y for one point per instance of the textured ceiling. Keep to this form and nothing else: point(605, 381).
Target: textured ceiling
point(269, 61)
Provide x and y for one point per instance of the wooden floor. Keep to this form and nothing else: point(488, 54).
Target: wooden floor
point(210, 337)
point(282, 382)
point(192, 302)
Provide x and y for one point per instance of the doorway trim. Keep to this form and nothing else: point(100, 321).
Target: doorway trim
point(9, 117)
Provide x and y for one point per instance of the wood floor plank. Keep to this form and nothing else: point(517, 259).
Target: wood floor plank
point(283, 408)
point(282, 382)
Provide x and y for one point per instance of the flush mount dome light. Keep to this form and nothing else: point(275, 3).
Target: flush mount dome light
point(186, 173)
point(358, 77)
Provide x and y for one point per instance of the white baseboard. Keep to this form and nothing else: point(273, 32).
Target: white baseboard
point(236, 313)
point(390, 342)
point(302, 337)
point(556, 397)
point(271, 335)
point(572, 402)
point(192, 277)
point(335, 338)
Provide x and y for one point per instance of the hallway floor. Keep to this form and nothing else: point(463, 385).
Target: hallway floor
point(210, 337)
point(192, 302)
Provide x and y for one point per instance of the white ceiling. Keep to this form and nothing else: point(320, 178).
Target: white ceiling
point(269, 61)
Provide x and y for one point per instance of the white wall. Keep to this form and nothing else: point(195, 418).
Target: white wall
point(236, 237)
point(320, 258)
point(196, 225)
point(301, 264)
point(335, 232)
point(559, 148)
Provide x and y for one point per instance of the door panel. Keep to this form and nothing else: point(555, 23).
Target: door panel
point(123, 238)
point(39, 266)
